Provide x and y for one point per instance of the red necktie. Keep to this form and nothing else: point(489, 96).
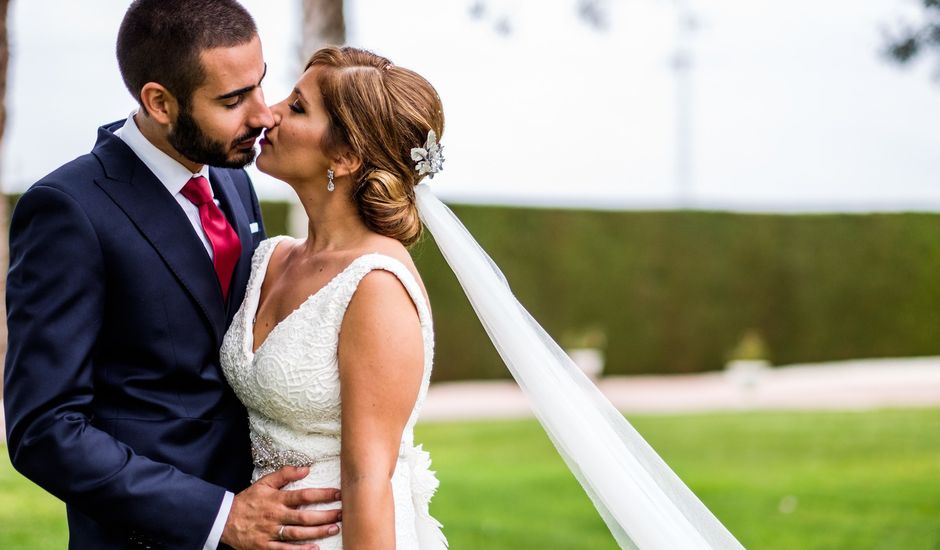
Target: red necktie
point(226, 247)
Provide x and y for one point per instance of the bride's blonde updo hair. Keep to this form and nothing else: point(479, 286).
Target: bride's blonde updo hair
point(380, 112)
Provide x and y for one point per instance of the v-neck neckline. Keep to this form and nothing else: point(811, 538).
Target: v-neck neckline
point(256, 301)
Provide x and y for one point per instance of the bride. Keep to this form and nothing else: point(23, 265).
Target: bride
point(331, 350)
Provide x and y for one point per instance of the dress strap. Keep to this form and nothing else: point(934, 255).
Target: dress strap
point(362, 265)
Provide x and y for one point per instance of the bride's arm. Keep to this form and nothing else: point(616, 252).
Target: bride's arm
point(380, 366)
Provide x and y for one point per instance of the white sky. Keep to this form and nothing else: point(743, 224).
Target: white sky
point(793, 107)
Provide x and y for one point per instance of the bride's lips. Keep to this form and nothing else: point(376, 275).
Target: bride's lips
point(265, 140)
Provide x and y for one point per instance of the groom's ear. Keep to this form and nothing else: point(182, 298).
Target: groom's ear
point(346, 163)
point(159, 103)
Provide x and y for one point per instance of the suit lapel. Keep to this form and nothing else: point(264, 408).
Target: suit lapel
point(161, 221)
point(235, 212)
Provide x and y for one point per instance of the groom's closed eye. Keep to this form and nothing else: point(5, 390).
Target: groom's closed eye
point(239, 95)
point(238, 101)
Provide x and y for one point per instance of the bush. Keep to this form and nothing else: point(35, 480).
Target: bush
point(675, 291)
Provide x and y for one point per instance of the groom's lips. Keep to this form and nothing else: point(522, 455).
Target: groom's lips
point(247, 144)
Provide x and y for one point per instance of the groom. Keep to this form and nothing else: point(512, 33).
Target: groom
point(126, 267)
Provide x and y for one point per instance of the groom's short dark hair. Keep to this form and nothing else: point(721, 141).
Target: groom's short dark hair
point(161, 41)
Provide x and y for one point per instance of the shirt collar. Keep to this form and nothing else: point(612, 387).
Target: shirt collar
point(171, 173)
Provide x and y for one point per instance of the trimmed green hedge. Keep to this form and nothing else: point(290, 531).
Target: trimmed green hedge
point(676, 291)
point(275, 215)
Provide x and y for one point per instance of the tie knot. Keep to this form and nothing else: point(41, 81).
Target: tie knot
point(197, 191)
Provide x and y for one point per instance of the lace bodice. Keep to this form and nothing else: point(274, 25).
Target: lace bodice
point(291, 388)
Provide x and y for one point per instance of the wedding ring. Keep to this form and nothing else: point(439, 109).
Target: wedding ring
point(280, 533)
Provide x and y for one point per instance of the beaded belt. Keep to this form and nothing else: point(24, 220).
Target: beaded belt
point(268, 457)
point(424, 483)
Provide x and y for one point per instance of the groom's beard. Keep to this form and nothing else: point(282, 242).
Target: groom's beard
point(189, 139)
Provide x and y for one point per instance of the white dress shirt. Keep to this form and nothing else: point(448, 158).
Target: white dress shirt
point(174, 176)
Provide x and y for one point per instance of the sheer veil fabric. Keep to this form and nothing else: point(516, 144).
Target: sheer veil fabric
point(643, 502)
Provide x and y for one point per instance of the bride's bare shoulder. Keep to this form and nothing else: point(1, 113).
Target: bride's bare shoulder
point(392, 248)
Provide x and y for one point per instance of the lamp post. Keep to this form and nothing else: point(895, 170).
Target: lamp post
point(682, 63)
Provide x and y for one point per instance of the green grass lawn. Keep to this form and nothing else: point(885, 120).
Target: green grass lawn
point(777, 480)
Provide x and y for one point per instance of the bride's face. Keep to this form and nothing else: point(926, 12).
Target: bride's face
point(291, 149)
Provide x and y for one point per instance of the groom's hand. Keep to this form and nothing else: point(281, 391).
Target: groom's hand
point(264, 516)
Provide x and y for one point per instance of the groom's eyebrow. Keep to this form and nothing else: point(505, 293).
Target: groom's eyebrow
point(246, 89)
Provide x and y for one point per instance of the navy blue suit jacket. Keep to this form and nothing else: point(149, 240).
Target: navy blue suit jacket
point(115, 401)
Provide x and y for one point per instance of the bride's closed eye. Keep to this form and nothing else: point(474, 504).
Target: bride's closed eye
point(295, 106)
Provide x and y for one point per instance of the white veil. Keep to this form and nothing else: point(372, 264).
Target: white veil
point(643, 502)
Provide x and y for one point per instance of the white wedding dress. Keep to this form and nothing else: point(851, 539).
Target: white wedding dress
point(290, 386)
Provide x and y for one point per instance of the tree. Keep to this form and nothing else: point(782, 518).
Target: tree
point(324, 24)
point(595, 13)
point(912, 40)
point(4, 215)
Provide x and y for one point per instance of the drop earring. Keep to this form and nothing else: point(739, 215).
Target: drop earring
point(329, 183)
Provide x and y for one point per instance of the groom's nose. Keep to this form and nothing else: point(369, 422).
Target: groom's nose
point(277, 112)
point(260, 116)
